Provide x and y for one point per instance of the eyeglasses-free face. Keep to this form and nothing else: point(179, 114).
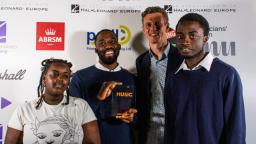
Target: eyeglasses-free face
point(56, 79)
point(107, 47)
point(190, 39)
point(155, 28)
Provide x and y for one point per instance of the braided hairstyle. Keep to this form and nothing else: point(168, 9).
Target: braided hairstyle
point(45, 66)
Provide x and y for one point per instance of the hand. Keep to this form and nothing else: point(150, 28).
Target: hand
point(127, 116)
point(106, 89)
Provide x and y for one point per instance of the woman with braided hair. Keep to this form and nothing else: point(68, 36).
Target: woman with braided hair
point(54, 117)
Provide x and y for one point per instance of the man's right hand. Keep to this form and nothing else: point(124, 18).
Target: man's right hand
point(106, 89)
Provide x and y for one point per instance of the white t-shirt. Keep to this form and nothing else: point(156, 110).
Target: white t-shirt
point(58, 124)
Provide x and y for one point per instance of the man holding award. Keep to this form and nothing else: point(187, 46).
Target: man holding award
point(109, 90)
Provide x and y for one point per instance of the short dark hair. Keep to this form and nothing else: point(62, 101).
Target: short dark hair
point(196, 18)
point(155, 9)
point(104, 30)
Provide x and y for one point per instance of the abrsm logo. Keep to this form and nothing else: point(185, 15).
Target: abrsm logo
point(50, 35)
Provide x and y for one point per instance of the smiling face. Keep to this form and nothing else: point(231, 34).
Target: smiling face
point(50, 134)
point(56, 79)
point(107, 47)
point(155, 28)
point(190, 39)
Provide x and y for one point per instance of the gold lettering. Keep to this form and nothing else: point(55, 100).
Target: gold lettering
point(124, 94)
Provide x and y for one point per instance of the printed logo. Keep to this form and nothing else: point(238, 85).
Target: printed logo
point(75, 8)
point(171, 34)
point(50, 35)
point(1, 134)
point(123, 33)
point(2, 31)
point(4, 102)
point(223, 48)
point(220, 48)
point(223, 8)
point(23, 7)
point(6, 75)
point(168, 8)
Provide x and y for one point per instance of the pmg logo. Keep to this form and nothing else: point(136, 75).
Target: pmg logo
point(223, 48)
point(123, 33)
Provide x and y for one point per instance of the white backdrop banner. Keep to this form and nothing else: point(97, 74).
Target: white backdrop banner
point(33, 30)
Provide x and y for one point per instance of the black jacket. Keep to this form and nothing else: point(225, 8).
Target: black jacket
point(144, 89)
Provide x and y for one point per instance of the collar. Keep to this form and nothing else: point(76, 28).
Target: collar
point(101, 67)
point(205, 63)
point(165, 54)
point(64, 99)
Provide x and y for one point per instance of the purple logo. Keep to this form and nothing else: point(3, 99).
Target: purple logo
point(2, 31)
point(4, 103)
point(1, 133)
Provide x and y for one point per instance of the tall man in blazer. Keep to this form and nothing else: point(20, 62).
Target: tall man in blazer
point(153, 67)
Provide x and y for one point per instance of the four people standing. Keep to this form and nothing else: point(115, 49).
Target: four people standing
point(184, 94)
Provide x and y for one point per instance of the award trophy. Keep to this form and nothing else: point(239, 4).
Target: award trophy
point(121, 100)
point(118, 102)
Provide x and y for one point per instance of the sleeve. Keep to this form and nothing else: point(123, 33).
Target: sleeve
point(138, 67)
point(234, 113)
point(16, 121)
point(138, 81)
point(75, 87)
point(88, 114)
point(134, 97)
point(134, 90)
point(168, 107)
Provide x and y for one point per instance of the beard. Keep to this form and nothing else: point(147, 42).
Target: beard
point(108, 59)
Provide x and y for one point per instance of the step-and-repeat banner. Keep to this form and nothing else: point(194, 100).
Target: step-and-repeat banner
point(33, 30)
